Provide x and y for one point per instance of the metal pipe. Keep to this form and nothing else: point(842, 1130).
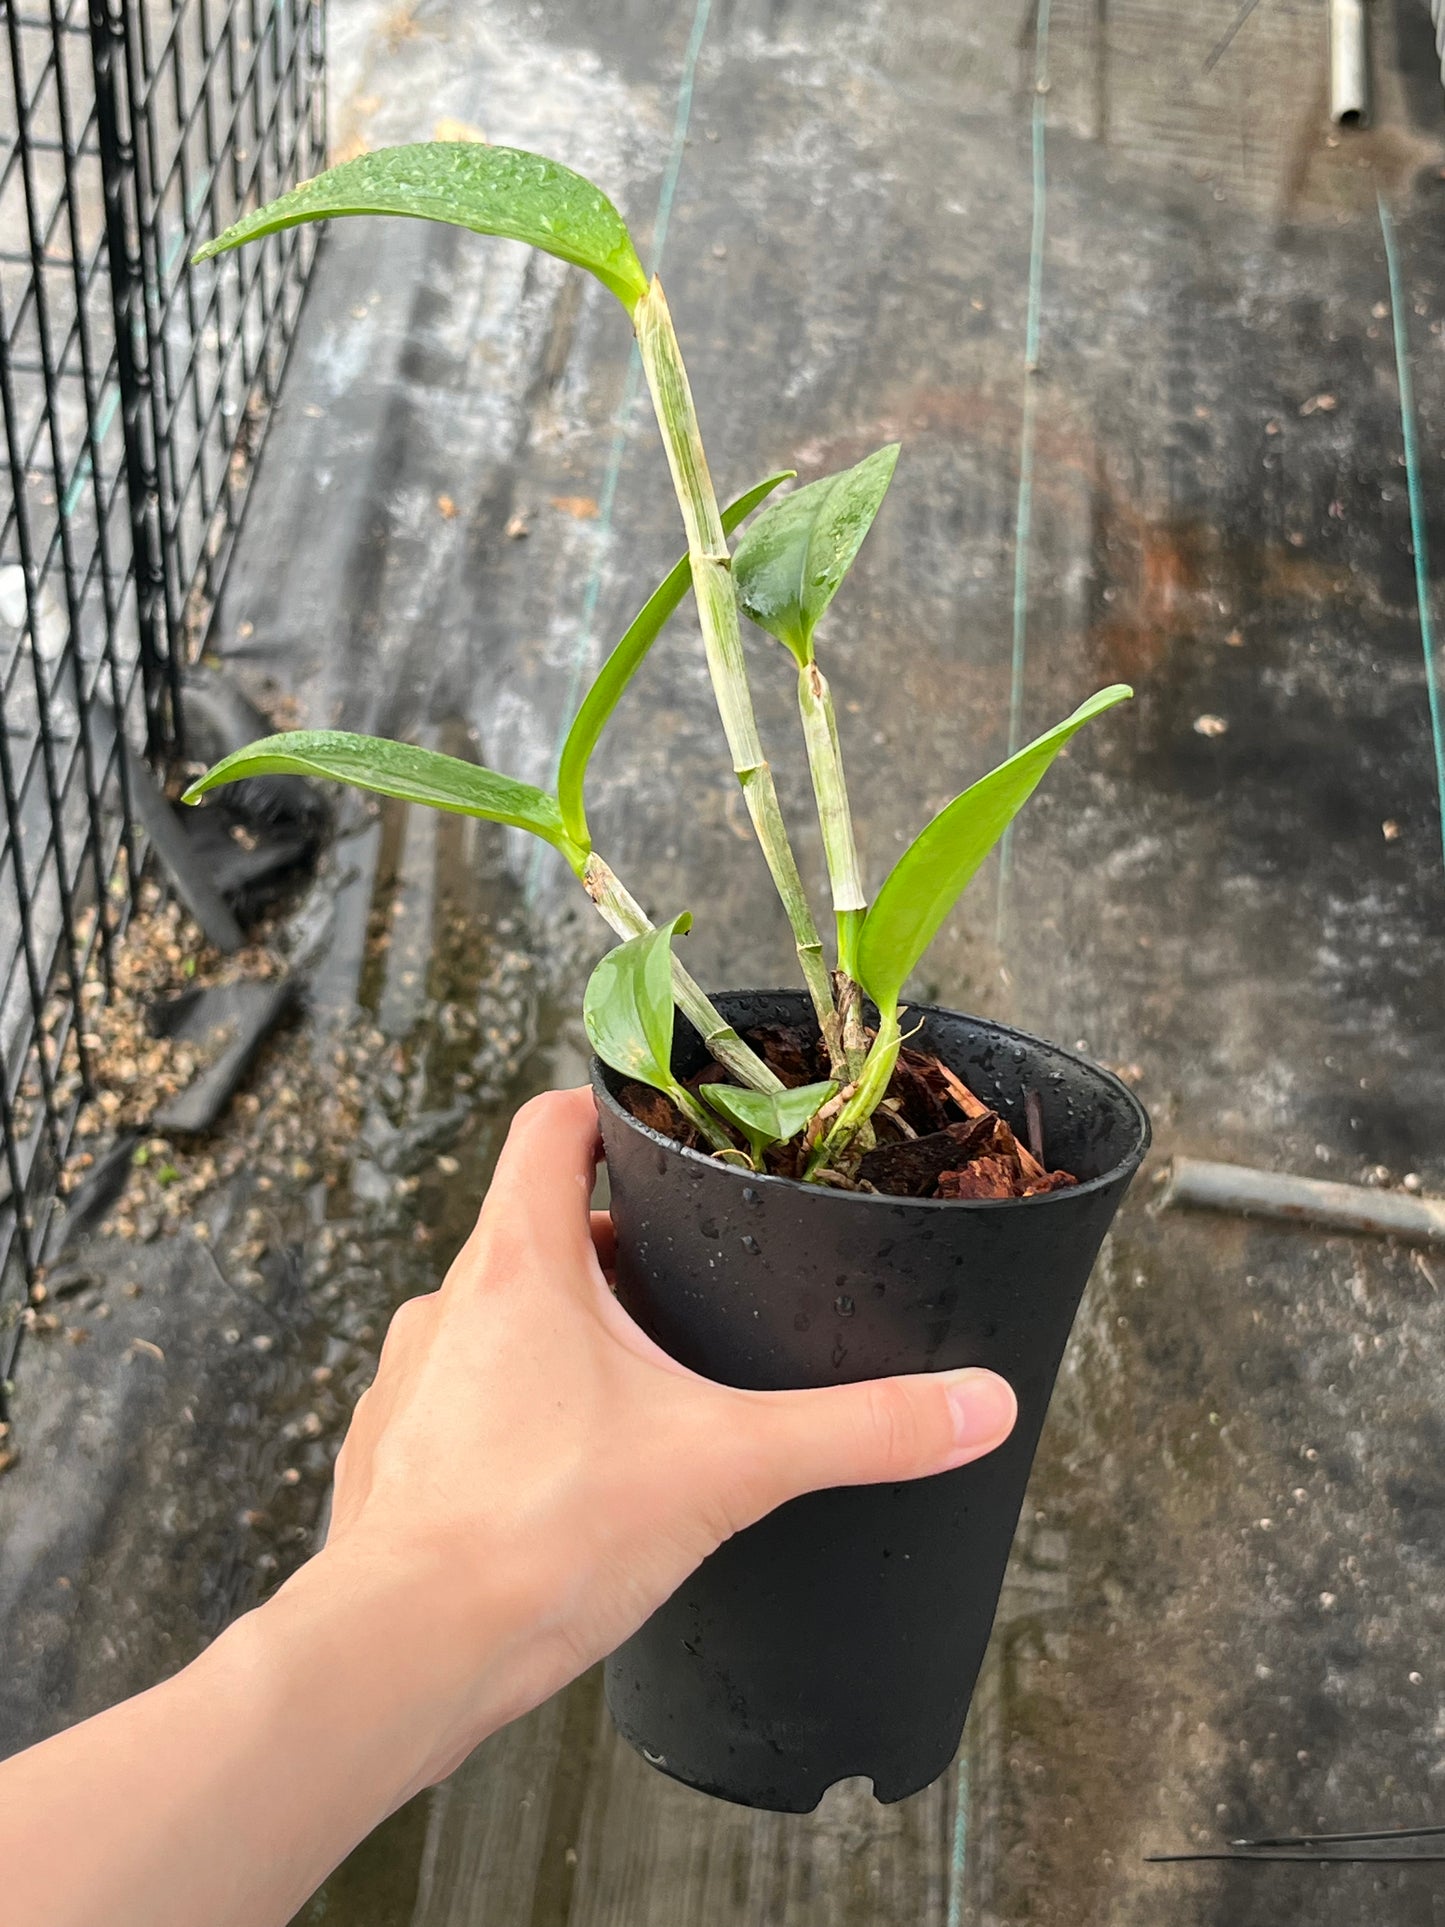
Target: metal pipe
point(1270, 1194)
point(1349, 103)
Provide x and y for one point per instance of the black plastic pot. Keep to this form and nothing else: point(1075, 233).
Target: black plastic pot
point(842, 1635)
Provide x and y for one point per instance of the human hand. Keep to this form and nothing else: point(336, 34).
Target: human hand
point(549, 1476)
point(525, 1481)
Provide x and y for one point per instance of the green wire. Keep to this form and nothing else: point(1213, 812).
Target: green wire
point(1417, 503)
point(1024, 515)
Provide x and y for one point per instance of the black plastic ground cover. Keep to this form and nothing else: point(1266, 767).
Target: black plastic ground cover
point(231, 1020)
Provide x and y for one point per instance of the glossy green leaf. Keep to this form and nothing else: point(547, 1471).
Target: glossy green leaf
point(627, 1006)
point(788, 566)
point(622, 665)
point(492, 190)
point(767, 1117)
point(392, 769)
point(930, 876)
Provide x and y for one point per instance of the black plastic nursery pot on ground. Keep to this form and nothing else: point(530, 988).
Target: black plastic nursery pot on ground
point(842, 1636)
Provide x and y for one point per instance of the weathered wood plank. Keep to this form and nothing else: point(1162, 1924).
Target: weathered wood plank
point(655, 1854)
point(500, 1846)
point(555, 1822)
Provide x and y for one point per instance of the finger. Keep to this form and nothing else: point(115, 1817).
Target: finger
point(410, 1331)
point(882, 1430)
point(604, 1239)
point(555, 1130)
point(541, 1193)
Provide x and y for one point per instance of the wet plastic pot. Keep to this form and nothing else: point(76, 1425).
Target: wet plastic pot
point(842, 1636)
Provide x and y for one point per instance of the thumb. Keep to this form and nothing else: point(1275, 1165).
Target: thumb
point(881, 1430)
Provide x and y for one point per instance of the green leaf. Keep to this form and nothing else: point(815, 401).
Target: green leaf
point(622, 665)
point(394, 769)
point(788, 566)
point(930, 876)
point(767, 1117)
point(627, 1006)
point(492, 190)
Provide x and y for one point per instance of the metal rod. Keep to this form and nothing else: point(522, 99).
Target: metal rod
point(1273, 1857)
point(1270, 1194)
point(117, 171)
point(1339, 1839)
point(1349, 99)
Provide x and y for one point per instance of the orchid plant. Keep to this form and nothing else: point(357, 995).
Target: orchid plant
point(785, 570)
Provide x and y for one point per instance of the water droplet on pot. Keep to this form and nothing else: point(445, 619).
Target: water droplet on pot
point(752, 1245)
point(801, 1321)
point(1018, 1053)
point(750, 1196)
point(843, 1305)
point(879, 1288)
point(659, 1158)
point(840, 1352)
point(708, 1227)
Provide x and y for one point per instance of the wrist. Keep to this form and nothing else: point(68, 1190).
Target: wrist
point(389, 1659)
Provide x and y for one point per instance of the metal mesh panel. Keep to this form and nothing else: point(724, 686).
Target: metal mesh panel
point(134, 392)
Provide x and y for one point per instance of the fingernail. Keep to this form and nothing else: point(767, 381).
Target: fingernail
point(983, 1408)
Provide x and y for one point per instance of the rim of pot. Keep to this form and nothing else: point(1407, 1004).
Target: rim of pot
point(1131, 1162)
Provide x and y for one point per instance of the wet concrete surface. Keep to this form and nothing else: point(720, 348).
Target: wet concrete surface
point(1225, 1609)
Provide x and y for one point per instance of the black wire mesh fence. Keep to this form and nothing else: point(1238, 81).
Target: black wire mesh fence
point(134, 393)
